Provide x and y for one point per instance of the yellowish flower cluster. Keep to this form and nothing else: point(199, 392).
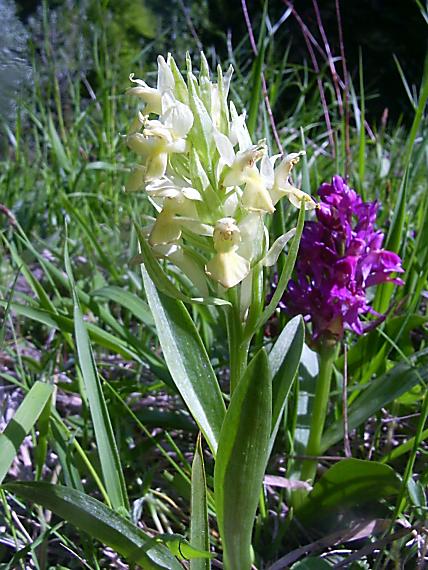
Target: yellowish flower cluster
point(210, 185)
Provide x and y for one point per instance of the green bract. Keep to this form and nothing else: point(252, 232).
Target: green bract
point(205, 176)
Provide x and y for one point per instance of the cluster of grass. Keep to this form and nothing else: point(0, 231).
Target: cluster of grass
point(74, 318)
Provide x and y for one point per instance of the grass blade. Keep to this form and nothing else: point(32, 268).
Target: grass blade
point(383, 390)
point(37, 399)
point(99, 521)
point(107, 449)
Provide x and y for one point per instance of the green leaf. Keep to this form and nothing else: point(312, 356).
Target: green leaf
point(393, 241)
point(99, 521)
point(41, 448)
point(58, 147)
point(256, 77)
point(308, 376)
point(37, 399)
point(403, 448)
point(106, 444)
point(286, 272)
point(284, 360)
point(134, 304)
point(378, 394)
point(96, 334)
point(241, 461)
point(349, 484)
point(187, 361)
point(199, 530)
point(180, 547)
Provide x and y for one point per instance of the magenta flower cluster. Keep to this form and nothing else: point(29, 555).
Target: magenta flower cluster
point(340, 257)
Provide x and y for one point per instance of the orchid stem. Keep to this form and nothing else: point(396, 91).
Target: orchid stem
point(327, 356)
point(238, 345)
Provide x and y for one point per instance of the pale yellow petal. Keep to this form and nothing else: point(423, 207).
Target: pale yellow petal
point(228, 268)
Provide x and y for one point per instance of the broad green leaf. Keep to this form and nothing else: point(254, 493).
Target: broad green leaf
point(99, 521)
point(375, 396)
point(106, 444)
point(187, 361)
point(307, 379)
point(199, 530)
point(284, 360)
point(241, 461)
point(19, 426)
point(348, 485)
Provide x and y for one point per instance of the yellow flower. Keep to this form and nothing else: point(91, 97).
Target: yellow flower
point(153, 97)
point(167, 227)
point(282, 186)
point(227, 267)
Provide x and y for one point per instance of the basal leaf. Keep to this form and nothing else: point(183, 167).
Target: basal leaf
point(20, 425)
point(99, 521)
point(284, 360)
point(187, 361)
point(241, 461)
point(199, 531)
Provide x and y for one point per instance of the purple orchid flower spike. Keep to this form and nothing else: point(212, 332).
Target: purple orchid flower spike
point(340, 256)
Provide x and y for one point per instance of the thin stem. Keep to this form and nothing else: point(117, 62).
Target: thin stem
point(328, 355)
point(238, 345)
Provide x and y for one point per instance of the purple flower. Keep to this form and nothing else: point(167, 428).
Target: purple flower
point(340, 256)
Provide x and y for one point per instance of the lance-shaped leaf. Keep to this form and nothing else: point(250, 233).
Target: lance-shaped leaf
point(106, 443)
point(286, 272)
point(199, 530)
point(99, 521)
point(284, 360)
point(20, 425)
point(241, 461)
point(187, 361)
